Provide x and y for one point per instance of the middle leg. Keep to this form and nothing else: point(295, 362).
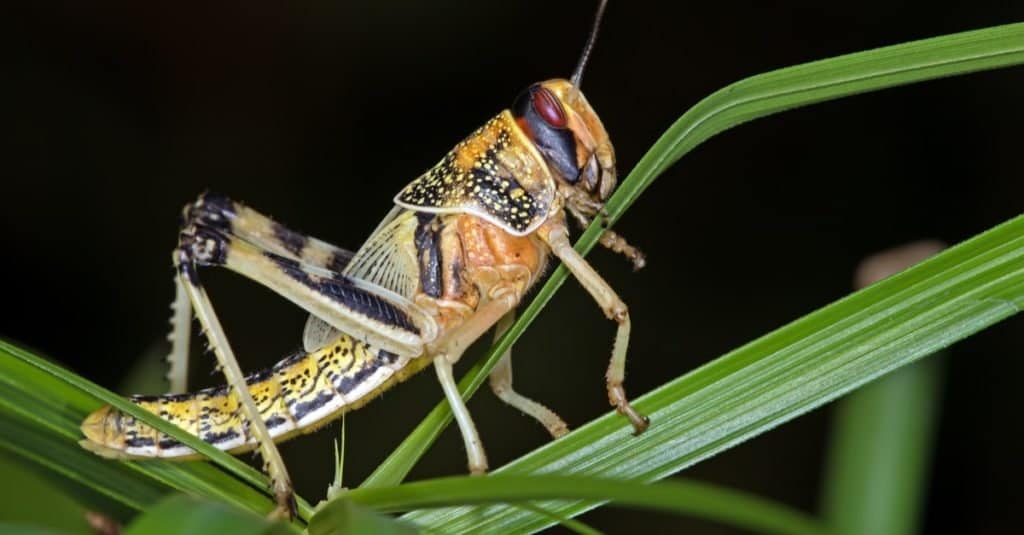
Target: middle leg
point(501, 385)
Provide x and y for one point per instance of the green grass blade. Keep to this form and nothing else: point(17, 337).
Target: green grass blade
point(41, 499)
point(184, 515)
point(815, 82)
point(781, 375)
point(25, 529)
point(54, 401)
point(743, 101)
point(680, 497)
point(570, 524)
point(113, 481)
point(344, 516)
point(880, 452)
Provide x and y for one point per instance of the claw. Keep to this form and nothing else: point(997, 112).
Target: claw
point(286, 508)
point(478, 470)
point(613, 241)
point(617, 397)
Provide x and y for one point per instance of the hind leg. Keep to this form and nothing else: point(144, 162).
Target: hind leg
point(236, 220)
point(356, 307)
point(281, 482)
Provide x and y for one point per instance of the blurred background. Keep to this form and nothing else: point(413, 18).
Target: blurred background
point(318, 113)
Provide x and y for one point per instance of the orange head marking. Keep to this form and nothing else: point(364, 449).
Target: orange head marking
point(559, 121)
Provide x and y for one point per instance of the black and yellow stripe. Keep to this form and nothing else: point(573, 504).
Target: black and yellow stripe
point(297, 395)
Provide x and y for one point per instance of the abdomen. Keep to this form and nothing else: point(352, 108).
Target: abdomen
point(297, 395)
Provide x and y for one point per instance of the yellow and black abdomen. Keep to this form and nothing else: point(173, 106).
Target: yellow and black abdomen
point(297, 395)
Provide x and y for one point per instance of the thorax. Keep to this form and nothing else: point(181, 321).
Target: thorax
point(464, 260)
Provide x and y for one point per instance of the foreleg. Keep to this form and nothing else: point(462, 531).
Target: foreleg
point(609, 238)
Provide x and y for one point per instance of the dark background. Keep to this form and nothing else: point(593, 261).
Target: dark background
point(317, 113)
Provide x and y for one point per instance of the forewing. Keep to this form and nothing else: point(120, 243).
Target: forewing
point(387, 260)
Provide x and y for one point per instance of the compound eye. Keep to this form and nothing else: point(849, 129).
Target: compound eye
point(549, 108)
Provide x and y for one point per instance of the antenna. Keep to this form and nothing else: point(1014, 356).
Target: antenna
point(577, 75)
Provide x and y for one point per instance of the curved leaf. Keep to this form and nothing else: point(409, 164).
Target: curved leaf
point(182, 515)
point(679, 497)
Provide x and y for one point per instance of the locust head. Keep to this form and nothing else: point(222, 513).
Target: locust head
point(559, 122)
point(563, 127)
point(566, 131)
